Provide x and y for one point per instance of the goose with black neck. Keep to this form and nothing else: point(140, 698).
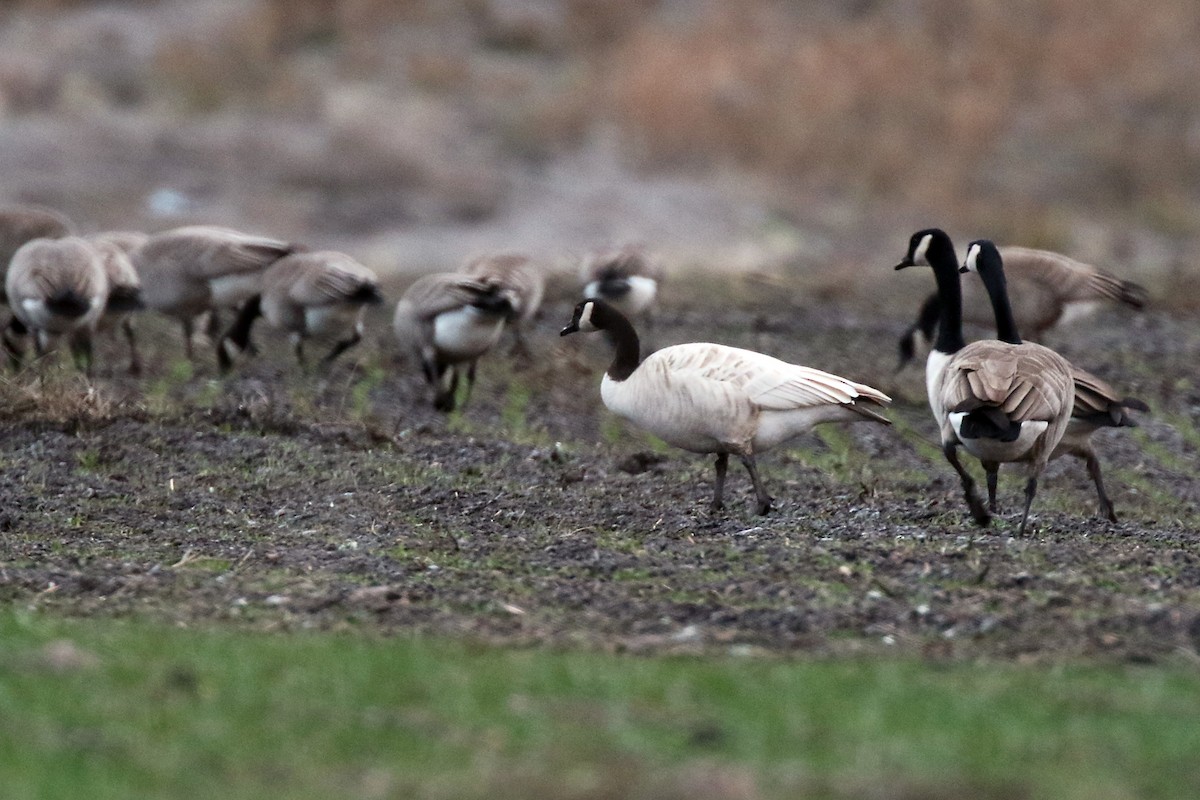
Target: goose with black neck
point(711, 398)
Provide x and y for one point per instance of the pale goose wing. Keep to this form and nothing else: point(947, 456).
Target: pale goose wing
point(1026, 381)
point(436, 294)
point(767, 382)
point(206, 253)
point(327, 278)
point(1097, 401)
point(1073, 280)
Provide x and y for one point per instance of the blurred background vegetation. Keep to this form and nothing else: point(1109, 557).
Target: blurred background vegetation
point(802, 138)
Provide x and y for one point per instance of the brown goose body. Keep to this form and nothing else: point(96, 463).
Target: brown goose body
point(21, 224)
point(446, 322)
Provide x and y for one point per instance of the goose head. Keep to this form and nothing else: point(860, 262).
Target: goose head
point(923, 244)
point(589, 315)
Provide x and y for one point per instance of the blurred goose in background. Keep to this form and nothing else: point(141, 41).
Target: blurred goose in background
point(124, 287)
point(1045, 288)
point(187, 272)
point(320, 295)
point(447, 321)
point(626, 278)
point(1097, 404)
point(710, 398)
point(21, 224)
point(56, 287)
point(525, 281)
point(1001, 402)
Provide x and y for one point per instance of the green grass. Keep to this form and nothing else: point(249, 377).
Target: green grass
point(137, 710)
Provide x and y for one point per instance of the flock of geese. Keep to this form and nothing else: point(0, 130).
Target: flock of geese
point(1003, 400)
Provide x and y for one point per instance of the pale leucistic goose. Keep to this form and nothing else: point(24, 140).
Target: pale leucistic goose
point(446, 321)
point(1001, 402)
point(318, 295)
point(525, 281)
point(56, 287)
point(124, 287)
point(1097, 404)
point(187, 272)
point(710, 398)
point(626, 278)
point(1044, 288)
point(21, 224)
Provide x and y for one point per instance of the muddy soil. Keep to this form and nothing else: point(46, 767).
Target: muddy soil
point(275, 499)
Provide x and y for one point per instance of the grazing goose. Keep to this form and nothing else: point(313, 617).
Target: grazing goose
point(709, 398)
point(1045, 288)
point(523, 278)
point(449, 320)
point(124, 286)
point(310, 295)
point(1002, 402)
point(1097, 405)
point(56, 287)
point(627, 279)
point(187, 272)
point(21, 224)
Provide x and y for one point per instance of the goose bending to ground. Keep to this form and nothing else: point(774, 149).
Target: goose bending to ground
point(447, 321)
point(1044, 288)
point(627, 279)
point(321, 295)
point(1001, 402)
point(710, 398)
point(56, 287)
point(187, 272)
point(21, 224)
point(1097, 405)
point(124, 287)
point(523, 279)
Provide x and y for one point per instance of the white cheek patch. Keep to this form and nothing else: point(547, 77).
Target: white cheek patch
point(972, 257)
point(585, 318)
point(922, 249)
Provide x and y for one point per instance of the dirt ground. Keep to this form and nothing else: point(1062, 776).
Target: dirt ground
point(279, 500)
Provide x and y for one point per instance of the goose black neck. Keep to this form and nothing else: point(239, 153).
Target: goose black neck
point(625, 340)
point(945, 271)
point(992, 274)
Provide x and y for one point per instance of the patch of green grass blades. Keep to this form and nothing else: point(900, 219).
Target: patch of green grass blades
point(116, 709)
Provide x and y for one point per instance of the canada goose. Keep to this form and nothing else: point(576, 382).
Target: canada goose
point(322, 294)
point(710, 398)
point(56, 287)
point(1097, 405)
point(626, 278)
point(523, 278)
point(1002, 402)
point(195, 270)
point(1044, 287)
point(124, 286)
point(21, 224)
point(448, 320)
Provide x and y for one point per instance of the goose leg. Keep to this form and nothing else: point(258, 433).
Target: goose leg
point(1106, 506)
point(13, 346)
point(298, 349)
point(718, 501)
point(470, 384)
point(764, 499)
point(978, 512)
point(445, 395)
point(135, 357)
point(81, 352)
point(187, 338)
point(342, 346)
point(992, 469)
point(1030, 491)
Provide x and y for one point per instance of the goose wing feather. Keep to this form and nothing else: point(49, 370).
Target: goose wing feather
point(1073, 280)
point(323, 278)
point(1027, 381)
